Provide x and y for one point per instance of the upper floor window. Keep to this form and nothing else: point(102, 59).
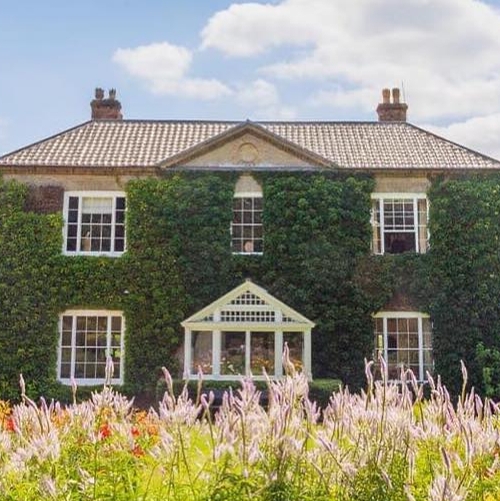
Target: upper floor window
point(94, 223)
point(86, 339)
point(246, 226)
point(399, 223)
point(404, 339)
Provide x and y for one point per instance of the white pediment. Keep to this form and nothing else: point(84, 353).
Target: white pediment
point(249, 304)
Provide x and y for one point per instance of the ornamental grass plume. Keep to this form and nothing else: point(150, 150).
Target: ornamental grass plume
point(387, 443)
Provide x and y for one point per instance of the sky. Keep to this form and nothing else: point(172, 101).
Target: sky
point(259, 60)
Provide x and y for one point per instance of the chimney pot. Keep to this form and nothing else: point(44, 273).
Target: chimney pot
point(391, 112)
point(395, 95)
point(105, 109)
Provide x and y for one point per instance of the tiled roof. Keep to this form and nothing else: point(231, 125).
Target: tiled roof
point(352, 145)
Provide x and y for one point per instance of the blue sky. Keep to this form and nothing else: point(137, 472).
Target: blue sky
point(274, 60)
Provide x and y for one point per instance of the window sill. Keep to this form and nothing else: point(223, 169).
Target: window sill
point(94, 254)
point(247, 253)
point(89, 382)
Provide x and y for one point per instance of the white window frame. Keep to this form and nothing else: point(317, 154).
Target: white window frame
point(90, 313)
point(113, 195)
point(249, 195)
point(385, 316)
point(380, 198)
point(216, 335)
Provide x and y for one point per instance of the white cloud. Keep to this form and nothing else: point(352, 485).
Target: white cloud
point(445, 51)
point(164, 67)
point(249, 29)
point(479, 133)
point(262, 98)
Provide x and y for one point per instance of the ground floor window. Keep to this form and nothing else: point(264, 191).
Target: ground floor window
point(86, 339)
point(243, 352)
point(404, 339)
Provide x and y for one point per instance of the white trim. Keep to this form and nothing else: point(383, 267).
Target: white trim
point(419, 316)
point(278, 352)
point(216, 349)
point(307, 353)
point(248, 352)
point(416, 225)
point(90, 313)
point(188, 348)
point(263, 326)
point(248, 194)
point(261, 293)
point(405, 195)
point(400, 314)
point(113, 195)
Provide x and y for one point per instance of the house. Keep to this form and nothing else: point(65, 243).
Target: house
point(210, 245)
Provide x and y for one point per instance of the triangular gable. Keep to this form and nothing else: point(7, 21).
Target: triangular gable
point(199, 153)
point(254, 303)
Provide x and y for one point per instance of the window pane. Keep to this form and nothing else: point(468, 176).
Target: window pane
point(120, 204)
point(66, 338)
point(73, 216)
point(396, 243)
point(119, 245)
point(67, 323)
point(262, 353)
point(201, 352)
point(232, 357)
point(100, 371)
point(258, 246)
point(65, 370)
point(73, 203)
point(97, 205)
point(66, 355)
point(116, 323)
point(295, 343)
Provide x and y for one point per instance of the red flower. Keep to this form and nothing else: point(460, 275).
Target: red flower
point(104, 431)
point(10, 425)
point(135, 431)
point(137, 451)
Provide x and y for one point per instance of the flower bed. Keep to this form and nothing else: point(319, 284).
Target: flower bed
point(387, 443)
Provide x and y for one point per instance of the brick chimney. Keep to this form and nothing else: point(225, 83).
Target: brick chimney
point(391, 112)
point(106, 109)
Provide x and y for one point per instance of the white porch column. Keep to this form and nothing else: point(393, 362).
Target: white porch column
point(248, 348)
point(307, 353)
point(216, 347)
point(278, 353)
point(187, 352)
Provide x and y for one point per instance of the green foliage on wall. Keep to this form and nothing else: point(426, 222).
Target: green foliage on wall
point(464, 279)
point(316, 259)
point(29, 245)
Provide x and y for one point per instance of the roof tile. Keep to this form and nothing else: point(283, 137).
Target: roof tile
point(351, 145)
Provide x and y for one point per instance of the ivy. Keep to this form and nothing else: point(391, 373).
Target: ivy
point(464, 277)
point(316, 259)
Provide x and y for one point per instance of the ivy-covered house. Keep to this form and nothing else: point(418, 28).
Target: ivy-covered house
point(212, 245)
